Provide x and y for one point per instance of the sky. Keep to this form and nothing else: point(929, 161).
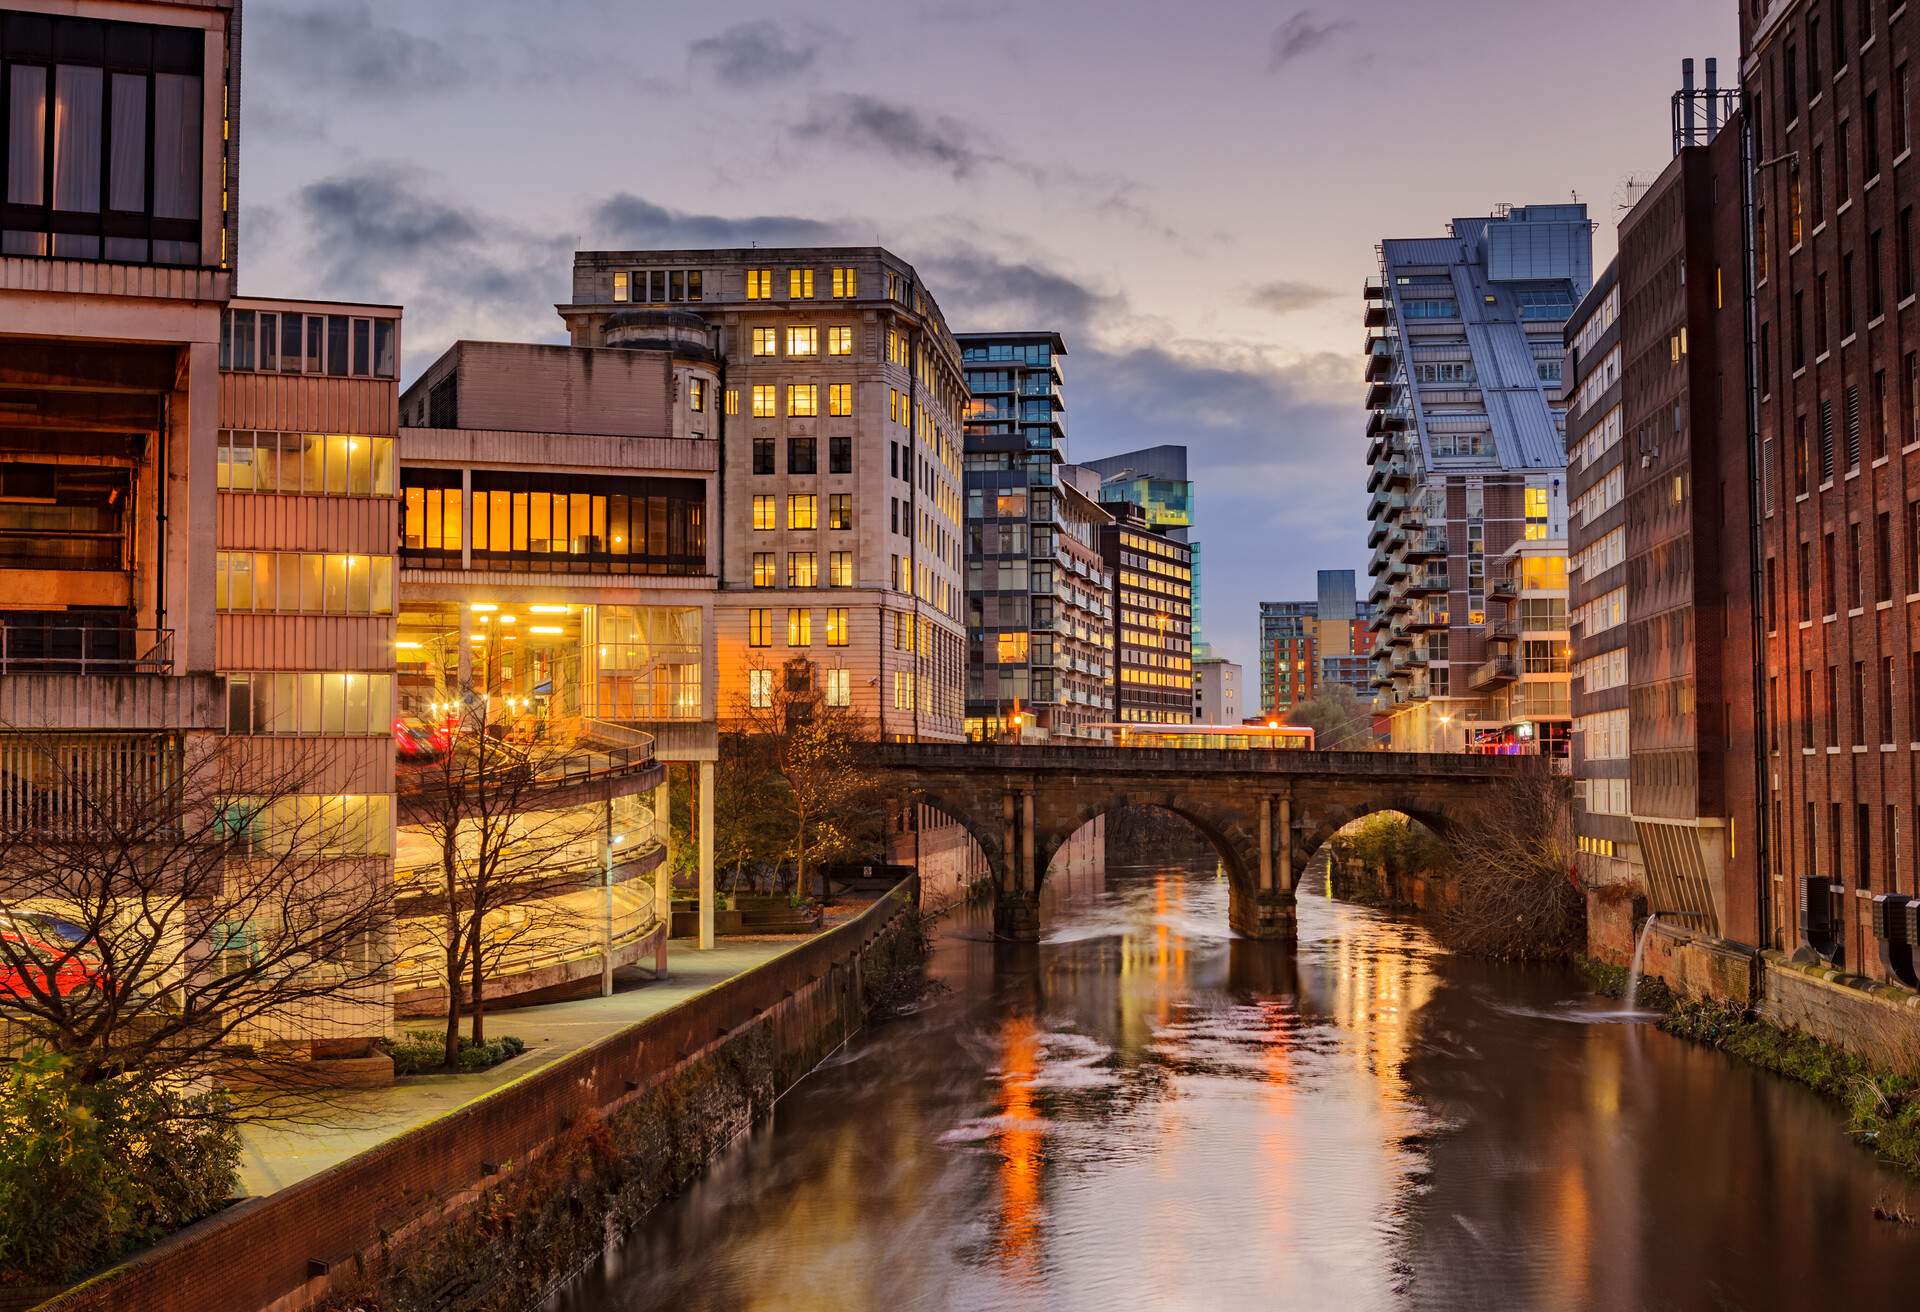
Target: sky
point(1191, 194)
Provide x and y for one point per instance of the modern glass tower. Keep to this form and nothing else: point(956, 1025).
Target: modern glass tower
point(1155, 479)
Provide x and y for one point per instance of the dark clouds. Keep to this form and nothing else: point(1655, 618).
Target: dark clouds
point(896, 132)
point(342, 47)
point(759, 51)
point(1301, 35)
point(627, 220)
point(1284, 296)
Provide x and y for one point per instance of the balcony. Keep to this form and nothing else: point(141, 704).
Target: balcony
point(1379, 314)
point(1426, 620)
point(1376, 531)
point(1395, 571)
point(1397, 636)
point(1426, 546)
point(1502, 590)
point(1383, 356)
point(1397, 602)
point(89, 649)
point(1385, 473)
point(1379, 393)
point(1495, 673)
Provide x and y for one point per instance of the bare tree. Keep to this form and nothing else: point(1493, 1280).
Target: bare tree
point(1512, 864)
point(821, 803)
point(1341, 721)
point(508, 848)
point(198, 909)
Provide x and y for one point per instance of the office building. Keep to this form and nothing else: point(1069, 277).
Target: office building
point(1466, 453)
point(1153, 620)
point(836, 401)
point(1305, 645)
point(1039, 596)
point(1155, 480)
point(1217, 685)
point(1829, 91)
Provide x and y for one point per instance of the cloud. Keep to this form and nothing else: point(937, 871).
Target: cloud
point(625, 219)
point(343, 47)
point(896, 131)
point(1301, 35)
point(759, 51)
point(980, 291)
point(1284, 296)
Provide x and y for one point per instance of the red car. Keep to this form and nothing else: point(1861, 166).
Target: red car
point(34, 941)
point(416, 740)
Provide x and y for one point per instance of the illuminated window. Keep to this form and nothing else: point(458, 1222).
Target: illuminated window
point(733, 400)
point(800, 510)
point(294, 582)
point(766, 341)
point(697, 393)
point(840, 398)
point(803, 569)
point(759, 284)
point(760, 689)
point(759, 626)
point(837, 626)
point(845, 283)
point(1537, 506)
point(893, 405)
point(1012, 648)
point(803, 340)
point(839, 687)
point(763, 512)
point(799, 627)
point(840, 340)
point(763, 575)
point(803, 400)
point(800, 284)
point(309, 703)
point(840, 510)
point(840, 569)
point(764, 403)
point(620, 285)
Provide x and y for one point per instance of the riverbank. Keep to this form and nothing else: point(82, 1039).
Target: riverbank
point(1882, 1105)
point(492, 1203)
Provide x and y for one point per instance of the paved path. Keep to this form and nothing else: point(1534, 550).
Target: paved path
point(275, 1156)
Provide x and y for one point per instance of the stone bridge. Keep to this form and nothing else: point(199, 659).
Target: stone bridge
point(1265, 812)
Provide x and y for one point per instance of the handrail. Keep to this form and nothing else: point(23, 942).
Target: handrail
point(51, 648)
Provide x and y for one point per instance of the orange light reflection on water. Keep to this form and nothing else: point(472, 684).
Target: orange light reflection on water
point(1020, 1148)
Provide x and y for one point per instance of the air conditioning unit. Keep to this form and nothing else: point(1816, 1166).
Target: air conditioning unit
point(1892, 929)
point(1820, 932)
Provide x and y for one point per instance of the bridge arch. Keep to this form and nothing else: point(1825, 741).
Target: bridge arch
point(1219, 832)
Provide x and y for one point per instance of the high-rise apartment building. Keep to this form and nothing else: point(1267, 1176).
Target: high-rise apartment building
point(1463, 363)
point(1305, 645)
point(836, 404)
point(1039, 596)
point(1154, 479)
point(1153, 620)
point(1607, 851)
point(1830, 98)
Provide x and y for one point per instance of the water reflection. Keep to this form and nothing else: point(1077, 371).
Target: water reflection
point(1144, 1111)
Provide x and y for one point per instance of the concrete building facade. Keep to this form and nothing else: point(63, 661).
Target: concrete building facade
point(835, 398)
point(1466, 452)
point(1218, 685)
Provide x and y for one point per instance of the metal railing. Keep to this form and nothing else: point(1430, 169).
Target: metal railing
point(91, 649)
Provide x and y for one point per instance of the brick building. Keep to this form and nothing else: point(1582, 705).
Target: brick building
point(1829, 93)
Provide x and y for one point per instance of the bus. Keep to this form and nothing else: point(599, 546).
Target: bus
point(1229, 737)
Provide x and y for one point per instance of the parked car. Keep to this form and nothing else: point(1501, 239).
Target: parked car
point(39, 937)
point(416, 740)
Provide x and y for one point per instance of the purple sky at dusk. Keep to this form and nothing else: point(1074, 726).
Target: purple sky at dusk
point(1190, 193)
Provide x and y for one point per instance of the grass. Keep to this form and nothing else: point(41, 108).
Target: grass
point(422, 1052)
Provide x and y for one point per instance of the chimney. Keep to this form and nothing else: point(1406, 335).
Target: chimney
point(1713, 97)
point(1686, 102)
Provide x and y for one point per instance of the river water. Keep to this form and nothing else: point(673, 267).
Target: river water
point(1145, 1112)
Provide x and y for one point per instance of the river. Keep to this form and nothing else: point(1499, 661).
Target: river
point(1146, 1112)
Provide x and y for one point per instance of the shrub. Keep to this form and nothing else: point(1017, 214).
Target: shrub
point(421, 1052)
point(90, 1171)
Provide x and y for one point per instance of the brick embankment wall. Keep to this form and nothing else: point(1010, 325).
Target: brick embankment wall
point(492, 1203)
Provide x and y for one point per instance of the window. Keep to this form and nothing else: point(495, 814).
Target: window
point(1833, 706)
point(801, 510)
point(840, 569)
point(1903, 270)
point(1806, 710)
point(840, 399)
point(1805, 589)
point(846, 283)
point(759, 627)
point(1817, 184)
point(766, 341)
point(349, 346)
point(1831, 560)
point(431, 524)
point(525, 520)
point(733, 400)
point(1883, 556)
point(803, 340)
point(803, 400)
point(763, 569)
point(763, 455)
point(313, 464)
point(803, 569)
point(759, 284)
point(620, 285)
point(764, 403)
point(348, 704)
point(839, 691)
point(800, 284)
point(760, 689)
point(1819, 315)
point(1880, 419)
point(697, 394)
point(763, 510)
point(296, 582)
point(799, 627)
point(1853, 427)
point(903, 690)
point(840, 510)
point(801, 456)
point(840, 455)
point(840, 340)
point(1826, 441)
point(1846, 294)
point(1870, 125)
point(1886, 699)
point(1902, 133)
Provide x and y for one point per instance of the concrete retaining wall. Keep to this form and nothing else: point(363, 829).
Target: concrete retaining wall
point(288, 1251)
